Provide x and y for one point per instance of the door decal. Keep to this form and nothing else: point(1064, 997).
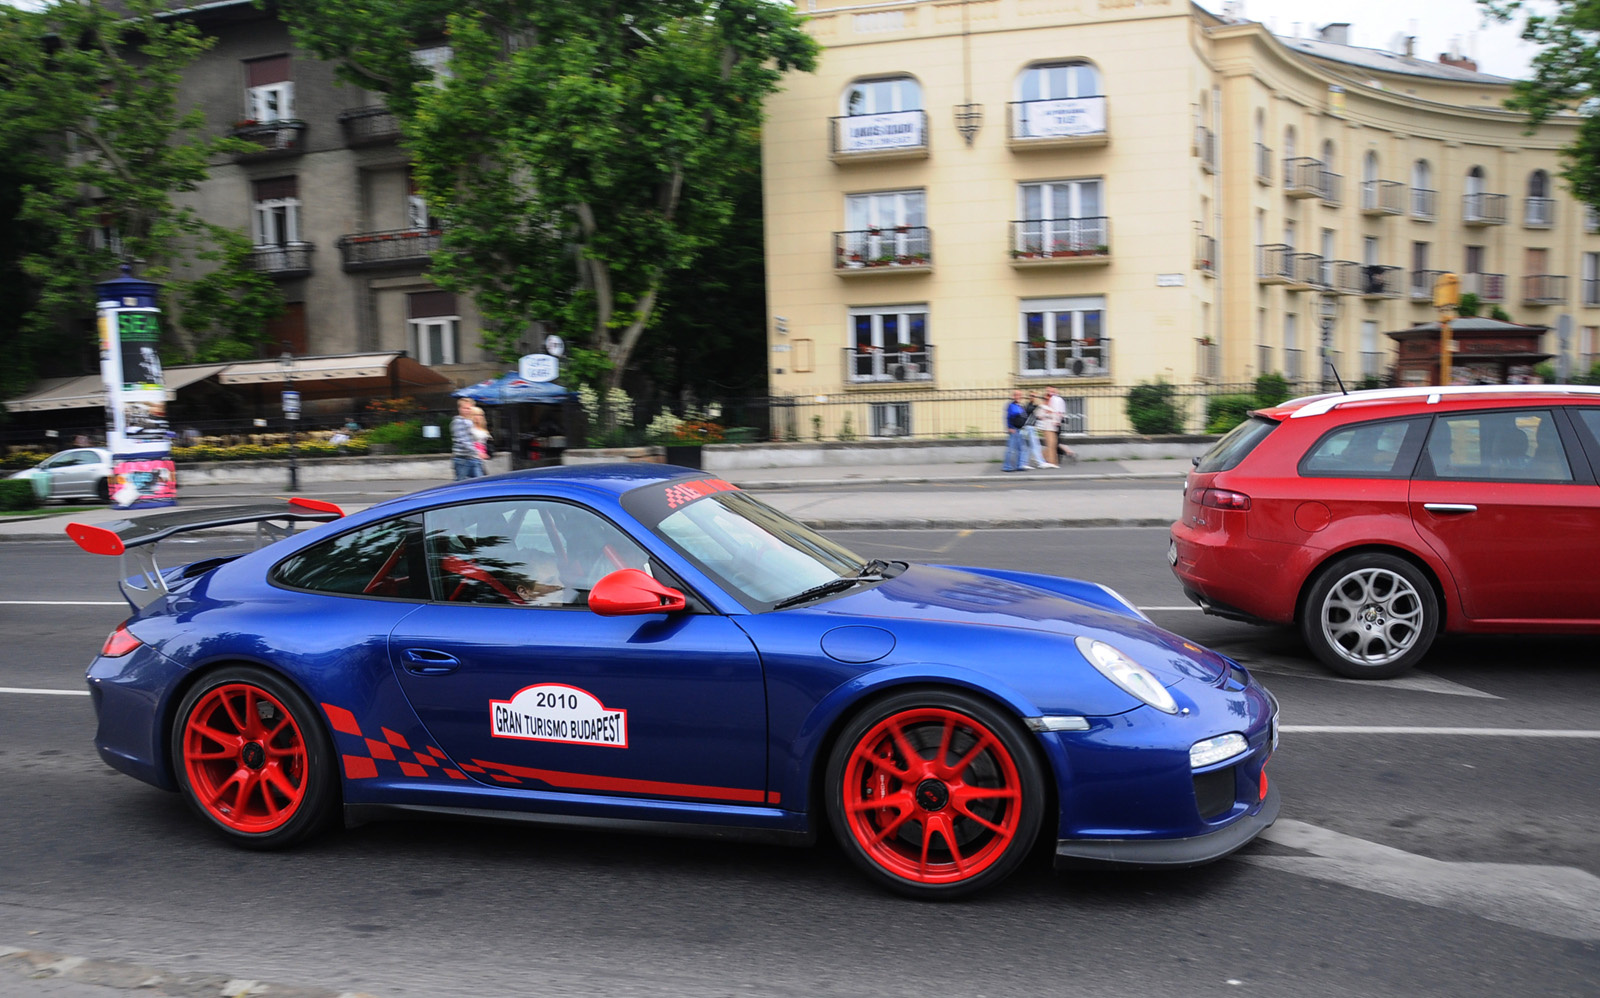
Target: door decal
point(555, 712)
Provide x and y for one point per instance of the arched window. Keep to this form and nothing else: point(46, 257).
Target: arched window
point(1540, 210)
point(1538, 184)
point(1422, 175)
point(1261, 126)
point(1055, 80)
point(1369, 167)
point(1327, 154)
point(883, 95)
point(1288, 142)
point(1422, 192)
point(1475, 180)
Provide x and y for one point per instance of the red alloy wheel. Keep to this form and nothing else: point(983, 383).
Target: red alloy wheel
point(932, 795)
point(245, 758)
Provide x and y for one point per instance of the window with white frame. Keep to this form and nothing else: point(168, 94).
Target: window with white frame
point(275, 215)
point(1064, 337)
point(1062, 216)
point(1058, 100)
point(1591, 279)
point(880, 114)
point(1369, 348)
point(883, 96)
point(889, 343)
point(436, 60)
point(1291, 346)
point(434, 327)
point(269, 91)
point(417, 214)
point(886, 224)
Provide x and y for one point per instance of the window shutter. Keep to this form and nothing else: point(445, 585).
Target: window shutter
point(428, 304)
point(261, 72)
point(277, 188)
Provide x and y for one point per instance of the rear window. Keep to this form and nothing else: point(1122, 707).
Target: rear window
point(1226, 453)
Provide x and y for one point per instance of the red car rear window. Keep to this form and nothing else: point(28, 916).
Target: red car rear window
point(1236, 445)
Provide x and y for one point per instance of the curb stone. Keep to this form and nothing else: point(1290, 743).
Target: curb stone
point(123, 976)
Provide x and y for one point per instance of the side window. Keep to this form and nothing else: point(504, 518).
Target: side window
point(381, 559)
point(1365, 450)
point(1498, 446)
point(1590, 419)
point(524, 553)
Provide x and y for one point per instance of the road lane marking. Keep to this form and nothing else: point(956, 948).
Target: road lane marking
point(62, 602)
point(1415, 682)
point(1560, 901)
point(1189, 607)
point(48, 693)
point(1346, 729)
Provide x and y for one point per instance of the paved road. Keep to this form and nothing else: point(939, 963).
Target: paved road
point(1439, 839)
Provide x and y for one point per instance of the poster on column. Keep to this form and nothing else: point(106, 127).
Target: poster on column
point(137, 433)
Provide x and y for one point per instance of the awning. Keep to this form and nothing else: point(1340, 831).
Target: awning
point(87, 390)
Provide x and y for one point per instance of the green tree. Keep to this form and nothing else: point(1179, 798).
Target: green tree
point(97, 145)
point(578, 154)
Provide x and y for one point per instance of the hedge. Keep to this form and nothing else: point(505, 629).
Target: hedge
point(17, 493)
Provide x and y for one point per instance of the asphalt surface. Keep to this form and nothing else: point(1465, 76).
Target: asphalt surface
point(1439, 836)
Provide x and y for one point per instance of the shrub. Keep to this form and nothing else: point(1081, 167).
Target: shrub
point(1499, 314)
point(18, 460)
point(1468, 305)
point(17, 493)
point(847, 431)
point(697, 431)
point(1224, 412)
point(1271, 389)
point(406, 438)
point(1153, 408)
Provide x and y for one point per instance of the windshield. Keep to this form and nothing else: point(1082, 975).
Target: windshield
point(756, 553)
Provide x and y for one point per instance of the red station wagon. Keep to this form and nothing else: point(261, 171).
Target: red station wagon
point(1374, 520)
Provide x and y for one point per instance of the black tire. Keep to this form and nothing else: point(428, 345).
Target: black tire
point(102, 490)
point(952, 831)
point(257, 765)
point(1370, 616)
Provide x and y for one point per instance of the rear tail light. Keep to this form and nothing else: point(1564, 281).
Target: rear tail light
point(1224, 499)
point(120, 642)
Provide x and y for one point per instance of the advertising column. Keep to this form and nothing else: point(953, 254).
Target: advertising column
point(129, 322)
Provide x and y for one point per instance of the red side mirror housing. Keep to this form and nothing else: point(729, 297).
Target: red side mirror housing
point(629, 591)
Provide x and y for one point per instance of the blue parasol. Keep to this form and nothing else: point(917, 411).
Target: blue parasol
point(510, 389)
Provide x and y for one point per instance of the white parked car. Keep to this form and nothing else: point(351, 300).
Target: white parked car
point(78, 473)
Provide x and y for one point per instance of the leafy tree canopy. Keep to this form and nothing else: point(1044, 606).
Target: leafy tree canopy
point(579, 154)
point(98, 149)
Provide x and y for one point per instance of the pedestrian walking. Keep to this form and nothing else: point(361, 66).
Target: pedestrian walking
point(1016, 416)
point(1048, 421)
point(1060, 452)
point(1030, 434)
point(464, 460)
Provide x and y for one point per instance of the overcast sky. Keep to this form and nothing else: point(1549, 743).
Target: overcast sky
point(1374, 24)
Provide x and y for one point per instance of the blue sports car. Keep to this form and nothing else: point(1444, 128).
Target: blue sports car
point(647, 647)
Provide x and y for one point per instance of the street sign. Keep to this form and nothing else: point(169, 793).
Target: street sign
point(555, 346)
point(538, 367)
point(291, 405)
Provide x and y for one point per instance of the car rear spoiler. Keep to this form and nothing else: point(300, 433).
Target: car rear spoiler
point(135, 539)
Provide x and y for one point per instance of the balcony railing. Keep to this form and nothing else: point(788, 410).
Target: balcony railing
point(1483, 209)
point(1207, 359)
point(1422, 282)
point(1343, 276)
point(284, 137)
point(1263, 164)
point(883, 250)
point(1273, 263)
point(395, 248)
point(291, 260)
point(1205, 146)
point(1061, 240)
point(1064, 121)
point(1308, 271)
point(905, 362)
point(1378, 281)
point(1205, 254)
point(1488, 287)
point(1293, 363)
point(1383, 197)
point(369, 126)
point(891, 135)
point(1544, 289)
point(1332, 188)
point(1591, 293)
point(1423, 202)
point(1302, 177)
point(1538, 213)
point(1065, 358)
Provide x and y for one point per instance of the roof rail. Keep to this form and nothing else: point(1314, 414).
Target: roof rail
point(1316, 405)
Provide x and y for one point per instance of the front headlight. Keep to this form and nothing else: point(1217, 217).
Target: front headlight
point(1209, 751)
point(1133, 678)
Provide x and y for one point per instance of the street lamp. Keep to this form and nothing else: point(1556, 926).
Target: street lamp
point(1327, 314)
point(291, 412)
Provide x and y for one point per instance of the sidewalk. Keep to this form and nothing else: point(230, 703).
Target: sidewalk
point(946, 496)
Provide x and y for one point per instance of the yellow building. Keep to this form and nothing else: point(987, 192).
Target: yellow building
point(985, 194)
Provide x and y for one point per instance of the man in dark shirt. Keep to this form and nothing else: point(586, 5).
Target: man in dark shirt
point(1016, 418)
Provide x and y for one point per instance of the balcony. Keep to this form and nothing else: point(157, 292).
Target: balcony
point(1383, 197)
point(283, 262)
point(1064, 359)
point(1307, 272)
point(270, 139)
point(1263, 165)
point(1371, 363)
point(1378, 281)
point(860, 138)
point(1302, 177)
point(1544, 289)
point(1069, 242)
point(1488, 287)
point(1343, 276)
point(1483, 209)
point(1591, 293)
point(1273, 264)
point(1422, 203)
point(1205, 146)
point(1205, 255)
point(1050, 124)
point(1332, 189)
point(1422, 282)
point(896, 249)
point(1207, 359)
point(1538, 213)
point(871, 365)
point(396, 248)
point(369, 126)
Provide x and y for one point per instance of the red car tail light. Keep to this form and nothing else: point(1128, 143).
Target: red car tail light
point(120, 642)
point(1224, 499)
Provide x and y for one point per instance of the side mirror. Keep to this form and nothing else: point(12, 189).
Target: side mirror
point(629, 591)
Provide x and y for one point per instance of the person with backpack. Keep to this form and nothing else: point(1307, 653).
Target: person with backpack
point(1016, 417)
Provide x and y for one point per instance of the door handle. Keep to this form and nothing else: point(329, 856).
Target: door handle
point(1449, 507)
point(427, 662)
